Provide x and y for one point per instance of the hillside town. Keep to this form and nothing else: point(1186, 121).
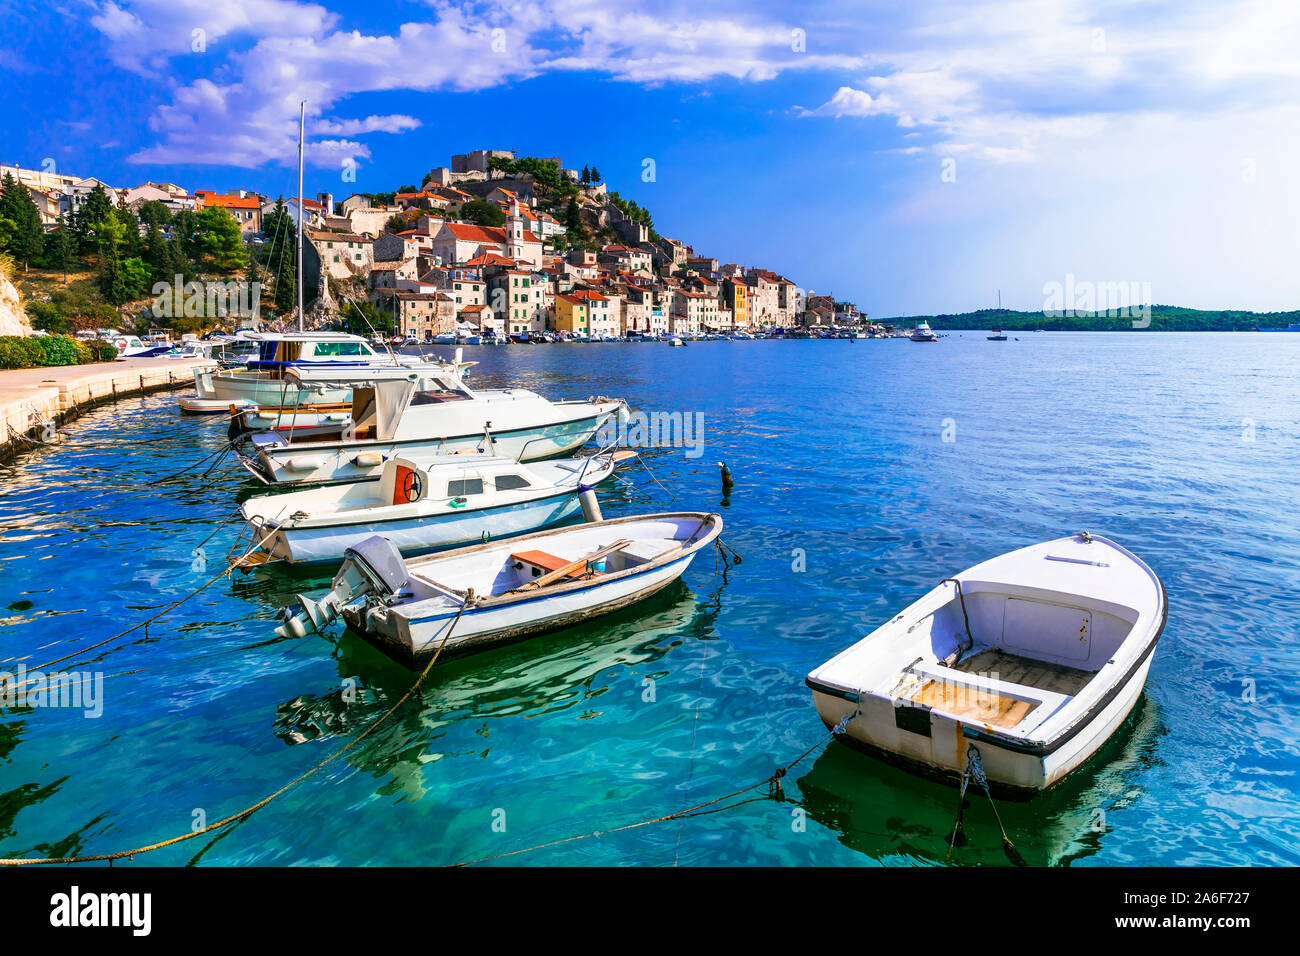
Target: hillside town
point(493, 246)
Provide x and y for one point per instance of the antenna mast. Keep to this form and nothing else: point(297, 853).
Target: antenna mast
point(302, 125)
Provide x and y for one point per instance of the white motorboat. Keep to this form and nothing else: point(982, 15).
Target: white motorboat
point(676, 341)
point(422, 503)
point(1031, 659)
point(264, 380)
point(483, 596)
point(422, 413)
point(923, 333)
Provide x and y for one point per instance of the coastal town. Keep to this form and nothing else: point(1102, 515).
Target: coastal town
point(493, 247)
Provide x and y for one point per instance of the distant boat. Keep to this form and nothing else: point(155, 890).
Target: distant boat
point(923, 333)
point(997, 336)
point(676, 341)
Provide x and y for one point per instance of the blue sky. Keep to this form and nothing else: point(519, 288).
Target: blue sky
point(914, 157)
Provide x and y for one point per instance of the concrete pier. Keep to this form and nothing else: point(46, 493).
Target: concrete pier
point(31, 397)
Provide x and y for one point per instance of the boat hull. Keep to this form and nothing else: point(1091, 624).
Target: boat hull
point(431, 532)
point(413, 641)
point(326, 463)
point(941, 753)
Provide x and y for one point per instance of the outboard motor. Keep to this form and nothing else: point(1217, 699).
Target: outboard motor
point(374, 566)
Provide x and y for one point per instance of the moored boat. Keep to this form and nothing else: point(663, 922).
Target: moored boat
point(923, 333)
point(422, 413)
point(1033, 659)
point(480, 597)
point(422, 503)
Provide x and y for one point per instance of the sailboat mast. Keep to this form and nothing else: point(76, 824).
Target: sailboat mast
point(302, 212)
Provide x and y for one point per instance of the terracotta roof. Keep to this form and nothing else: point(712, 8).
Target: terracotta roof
point(211, 198)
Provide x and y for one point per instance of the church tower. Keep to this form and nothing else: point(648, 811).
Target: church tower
point(514, 232)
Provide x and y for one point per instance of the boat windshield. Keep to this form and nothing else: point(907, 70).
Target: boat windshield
point(434, 390)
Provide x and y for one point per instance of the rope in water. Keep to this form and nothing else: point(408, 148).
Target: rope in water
point(149, 620)
point(249, 811)
point(774, 788)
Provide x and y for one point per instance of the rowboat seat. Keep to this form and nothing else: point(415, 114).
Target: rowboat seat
point(980, 698)
point(543, 562)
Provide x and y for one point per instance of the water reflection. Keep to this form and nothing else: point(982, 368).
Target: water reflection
point(894, 816)
point(566, 670)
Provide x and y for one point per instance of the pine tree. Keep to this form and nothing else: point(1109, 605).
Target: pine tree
point(29, 236)
point(595, 174)
point(286, 289)
point(157, 254)
point(92, 213)
point(586, 174)
point(58, 249)
point(112, 283)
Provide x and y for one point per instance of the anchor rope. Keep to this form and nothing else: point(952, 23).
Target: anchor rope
point(249, 811)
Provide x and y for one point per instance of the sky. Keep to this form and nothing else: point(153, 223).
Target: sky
point(915, 158)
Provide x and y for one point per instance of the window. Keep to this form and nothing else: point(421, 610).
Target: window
point(511, 482)
point(467, 486)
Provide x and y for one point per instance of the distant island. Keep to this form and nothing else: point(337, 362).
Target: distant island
point(1164, 318)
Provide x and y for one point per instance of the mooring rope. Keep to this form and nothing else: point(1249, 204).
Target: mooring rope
point(249, 811)
point(774, 789)
point(149, 620)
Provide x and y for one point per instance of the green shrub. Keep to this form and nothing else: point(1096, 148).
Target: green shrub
point(39, 351)
point(12, 352)
point(57, 350)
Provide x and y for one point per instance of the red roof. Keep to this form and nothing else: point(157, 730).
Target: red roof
point(211, 198)
point(493, 234)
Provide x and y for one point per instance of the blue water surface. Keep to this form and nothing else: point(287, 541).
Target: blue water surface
point(865, 472)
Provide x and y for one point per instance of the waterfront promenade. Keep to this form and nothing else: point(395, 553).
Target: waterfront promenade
point(29, 397)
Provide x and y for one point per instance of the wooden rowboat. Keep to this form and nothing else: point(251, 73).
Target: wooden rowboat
point(471, 599)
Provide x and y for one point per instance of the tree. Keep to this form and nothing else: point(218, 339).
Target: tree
point(219, 238)
point(573, 220)
point(135, 278)
point(396, 223)
point(58, 249)
point(87, 219)
point(286, 289)
point(360, 316)
point(21, 232)
point(483, 213)
point(280, 233)
point(595, 174)
point(111, 281)
point(157, 254)
point(586, 174)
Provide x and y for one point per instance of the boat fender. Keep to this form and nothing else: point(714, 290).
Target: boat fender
point(303, 463)
point(368, 459)
point(590, 506)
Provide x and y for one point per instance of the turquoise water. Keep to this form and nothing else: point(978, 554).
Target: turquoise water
point(1183, 447)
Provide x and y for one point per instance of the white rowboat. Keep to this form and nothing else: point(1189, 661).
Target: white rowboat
point(1034, 657)
point(484, 596)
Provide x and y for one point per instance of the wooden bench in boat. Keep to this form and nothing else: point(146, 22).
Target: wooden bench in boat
point(996, 688)
point(556, 568)
point(544, 562)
